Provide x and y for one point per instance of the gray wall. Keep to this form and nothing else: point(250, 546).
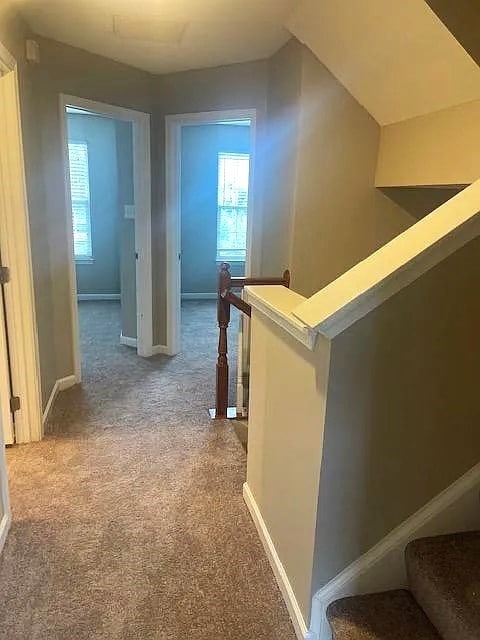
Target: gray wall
point(283, 112)
point(199, 180)
point(13, 32)
point(340, 217)
point(238, 86)
point(128, 267)
point(103, 274)
point(420, 201)
point(324, 214)
point(403, 410)
point(65, 69)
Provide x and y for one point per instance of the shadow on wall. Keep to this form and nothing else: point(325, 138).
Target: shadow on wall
point(420, 201)
point(403, 410)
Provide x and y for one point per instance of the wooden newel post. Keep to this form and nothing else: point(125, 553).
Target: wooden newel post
point(223, 314)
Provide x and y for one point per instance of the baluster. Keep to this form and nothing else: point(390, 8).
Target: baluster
point(223, 314)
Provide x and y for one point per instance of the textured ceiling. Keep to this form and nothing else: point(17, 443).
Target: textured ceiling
point(192, 33)
point(397, 58)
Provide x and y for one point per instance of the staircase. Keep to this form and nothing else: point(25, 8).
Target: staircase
point(443, 602)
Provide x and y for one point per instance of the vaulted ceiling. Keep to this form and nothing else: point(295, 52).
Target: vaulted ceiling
point(164, 35)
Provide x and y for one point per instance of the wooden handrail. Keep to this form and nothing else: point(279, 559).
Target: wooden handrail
point(245, 282)
point(240, 304)
point(225, 299)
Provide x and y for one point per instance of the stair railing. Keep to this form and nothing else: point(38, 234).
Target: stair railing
point(226, 298)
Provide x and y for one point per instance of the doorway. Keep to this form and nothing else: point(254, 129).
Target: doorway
point(214, 186)
point(107, 169)
point(210, 186)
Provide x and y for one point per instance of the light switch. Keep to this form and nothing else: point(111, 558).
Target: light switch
point(129, 212)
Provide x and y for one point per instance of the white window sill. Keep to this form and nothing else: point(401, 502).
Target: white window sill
point(84, 260)
point(220, 260)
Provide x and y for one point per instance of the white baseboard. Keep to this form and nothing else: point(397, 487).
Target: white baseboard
point(128, 342)
point(5, 523)
point(160, 349)
point(278, 569)
point(98, 296)
point(199, 296)
point(60, 385)
point(383, 566)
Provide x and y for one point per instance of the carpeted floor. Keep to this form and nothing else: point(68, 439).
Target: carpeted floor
point(128, 519)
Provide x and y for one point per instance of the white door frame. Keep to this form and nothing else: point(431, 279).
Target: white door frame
point(143, 219)
point(173, 126)
point(16, 255)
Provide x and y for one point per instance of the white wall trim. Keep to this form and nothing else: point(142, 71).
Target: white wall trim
point(127, 341)
point(66, 383)
point(16, 254)
point(143, 219)
point(383, 567)
point(275, 302)
point(81, 297)
point(60, 385)
point(161, 349)
point(277, 567)
point(173, 126)
point(5, 523)
point(199, 296)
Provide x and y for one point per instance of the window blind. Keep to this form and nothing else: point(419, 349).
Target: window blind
point(233, 176)
point(80, 192)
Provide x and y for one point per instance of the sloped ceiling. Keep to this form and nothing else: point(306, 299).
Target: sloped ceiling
point(396, 58)
point(164, 35)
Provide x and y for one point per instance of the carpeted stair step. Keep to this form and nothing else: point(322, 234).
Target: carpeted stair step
point(444, 576)
point(391, 615)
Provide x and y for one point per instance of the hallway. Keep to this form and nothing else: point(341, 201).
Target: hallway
point(128, 519)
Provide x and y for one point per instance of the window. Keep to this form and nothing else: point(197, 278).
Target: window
point(233, 173)
point(80, 190)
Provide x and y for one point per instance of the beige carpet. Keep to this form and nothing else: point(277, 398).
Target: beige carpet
point(128, 518)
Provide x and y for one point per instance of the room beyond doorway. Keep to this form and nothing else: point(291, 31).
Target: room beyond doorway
point(103, 213)
point(214, 185)
point(210, 160)
point(107, 180)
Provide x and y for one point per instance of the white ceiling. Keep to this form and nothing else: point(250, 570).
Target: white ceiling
point(395, 56)
point(162, 36)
